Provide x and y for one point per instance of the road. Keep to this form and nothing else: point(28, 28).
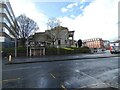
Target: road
point(88, 73)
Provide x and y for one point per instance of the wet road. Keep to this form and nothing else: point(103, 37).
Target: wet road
point(89, 73)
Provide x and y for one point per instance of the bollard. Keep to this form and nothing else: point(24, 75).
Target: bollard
point(10, 58)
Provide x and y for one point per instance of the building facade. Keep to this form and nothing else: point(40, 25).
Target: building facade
point(95, 44)
point(8, 24)
point(59, 37)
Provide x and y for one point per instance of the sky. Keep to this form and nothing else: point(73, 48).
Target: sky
point(88, 18)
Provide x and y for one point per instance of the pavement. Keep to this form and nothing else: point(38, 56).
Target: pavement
point(22, 60)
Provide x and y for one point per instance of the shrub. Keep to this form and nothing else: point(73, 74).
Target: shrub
point(21, 51)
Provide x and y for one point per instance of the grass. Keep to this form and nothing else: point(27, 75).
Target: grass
point(68, 48)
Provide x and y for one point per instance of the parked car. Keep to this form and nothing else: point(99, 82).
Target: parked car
point(114, 49)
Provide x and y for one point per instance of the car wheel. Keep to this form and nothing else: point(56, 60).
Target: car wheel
point(111, 52)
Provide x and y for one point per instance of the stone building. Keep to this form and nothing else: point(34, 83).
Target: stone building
point(60, 37)
point(57, 37)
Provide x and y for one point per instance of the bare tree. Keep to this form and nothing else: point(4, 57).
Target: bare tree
point(27, 27)
point(54, 26)
point(53, 22)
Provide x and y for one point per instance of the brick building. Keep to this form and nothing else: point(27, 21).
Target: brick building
point(94, 44)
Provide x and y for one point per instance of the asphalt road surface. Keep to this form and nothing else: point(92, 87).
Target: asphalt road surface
point(89, 73)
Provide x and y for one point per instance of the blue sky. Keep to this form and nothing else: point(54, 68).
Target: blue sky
point(88, 18)
point(53, 9)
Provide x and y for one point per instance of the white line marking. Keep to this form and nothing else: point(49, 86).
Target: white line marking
point(67, 83)
point(52, 75)
point(77, 71)
point(8, 80)
point(22, 68)
point(95, 78)
point(63, 87)
point(94, 85)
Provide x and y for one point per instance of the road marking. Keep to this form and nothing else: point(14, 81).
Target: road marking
point(62, 86)
point(16, 69)
point(67, 83)
point(94, 85)
point(22, 68)
point(8, 80)
point(52, 75)
point(115, 77)
point(77, 71)
point(95, 79)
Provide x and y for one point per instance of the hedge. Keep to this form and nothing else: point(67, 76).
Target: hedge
point(62, 51)
point(21, 51)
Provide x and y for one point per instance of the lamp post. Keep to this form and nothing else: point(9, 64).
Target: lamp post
point(15, 47)
point(58, 50)
point(27, 47)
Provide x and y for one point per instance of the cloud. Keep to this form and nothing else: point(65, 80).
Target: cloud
point(82, 1)
point(64, 9)
point(82, 6)
point(72, 16)
point(27, 7)
point(70, 6)
point(99, 19)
